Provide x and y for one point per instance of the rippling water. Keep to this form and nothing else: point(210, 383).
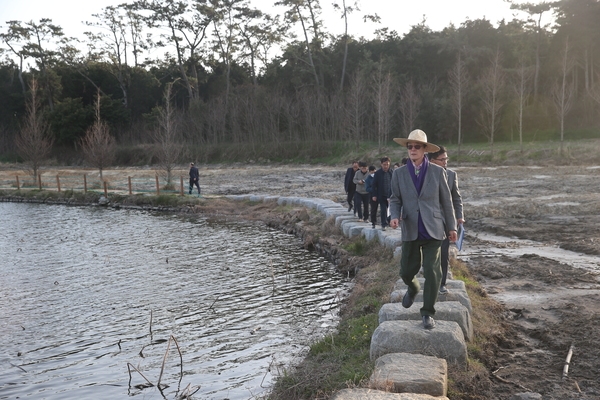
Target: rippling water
point(241, 299)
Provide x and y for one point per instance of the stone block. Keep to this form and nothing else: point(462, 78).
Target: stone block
point(356, 230)
point(335, 212)
point(342, 218)
point(411, 373)
point(446, 340)
point(284, 201)
point(444, 311)
point(369, 234)
point(349, 224)
point(372, 394)
point(392, 239)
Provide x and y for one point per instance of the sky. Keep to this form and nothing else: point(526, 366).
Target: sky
point(398, 15)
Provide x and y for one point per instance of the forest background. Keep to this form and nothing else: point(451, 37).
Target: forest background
point(236, 83)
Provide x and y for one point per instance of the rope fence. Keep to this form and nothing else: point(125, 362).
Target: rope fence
point(81, 182)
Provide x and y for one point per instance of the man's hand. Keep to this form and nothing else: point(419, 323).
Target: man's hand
point(394, 223)
point(460, 221)
point(452, 236)
point(374, 198)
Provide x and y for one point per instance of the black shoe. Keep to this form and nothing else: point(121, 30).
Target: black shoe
point(383, 228)
point(443, 289)
point(428, 322)
point(373, 226)
point(349, 208)
point(408, 300)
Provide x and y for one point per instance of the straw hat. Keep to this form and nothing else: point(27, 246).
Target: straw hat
point(418, 136)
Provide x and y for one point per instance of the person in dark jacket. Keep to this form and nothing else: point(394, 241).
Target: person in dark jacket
point(194, 178)
point(382, 189)
point(350, 186)
point(369, 188)
point(441, 158)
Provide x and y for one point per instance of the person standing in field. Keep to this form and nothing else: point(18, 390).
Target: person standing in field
point(440, 158)
point(422, 203)
point(350, 186)
point(361, 197)
point(194, 179)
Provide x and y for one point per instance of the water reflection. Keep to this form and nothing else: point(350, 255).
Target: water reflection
point(242, 300)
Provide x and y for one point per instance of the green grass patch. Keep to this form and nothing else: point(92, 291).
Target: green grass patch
point(358, 246)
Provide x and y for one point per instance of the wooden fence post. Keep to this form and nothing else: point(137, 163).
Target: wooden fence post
point(40, 181)
point(84, 183)
point(129, 182)
point(105, 189)
point(18, 186)
point(157, 187)
point(58, 183)
point(181, 186)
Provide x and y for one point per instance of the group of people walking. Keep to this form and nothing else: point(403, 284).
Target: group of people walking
point(422, 198)
point(369, 189)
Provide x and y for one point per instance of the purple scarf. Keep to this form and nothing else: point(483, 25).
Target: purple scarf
point(418, 181)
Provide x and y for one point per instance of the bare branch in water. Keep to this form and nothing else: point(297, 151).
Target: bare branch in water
point(162, 368)
point(130, 367)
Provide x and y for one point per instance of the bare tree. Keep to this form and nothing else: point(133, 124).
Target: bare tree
point(384, 104)
point(293, 15)
point(409, 104)
point(459, 81)
point(34, 140)
point(492, 84)
point(356, 106)
point(594, 91)
point(563, 92)
point(535, 11)
point(522, 90)
point(166, 136)
point(98, 144)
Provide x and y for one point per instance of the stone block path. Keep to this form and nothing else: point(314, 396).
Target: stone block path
point(410, 361)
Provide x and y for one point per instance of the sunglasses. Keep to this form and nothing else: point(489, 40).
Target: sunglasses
point(414, 146)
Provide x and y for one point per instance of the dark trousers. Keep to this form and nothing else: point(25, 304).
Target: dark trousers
point(192, 183)
point(445, 257)
point(361, 205)
point(350, 198)
point(383, 208)
point(424, 253)
point(374, 205)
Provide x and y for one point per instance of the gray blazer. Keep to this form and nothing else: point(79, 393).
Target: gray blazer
point(456, 197)
point(434, 203)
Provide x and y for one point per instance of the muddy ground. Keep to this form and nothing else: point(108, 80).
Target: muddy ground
point(533, 236)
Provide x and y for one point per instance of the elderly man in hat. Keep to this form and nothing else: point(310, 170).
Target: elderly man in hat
point(421, 202)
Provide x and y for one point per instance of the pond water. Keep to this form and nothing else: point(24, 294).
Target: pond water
point(87, 290)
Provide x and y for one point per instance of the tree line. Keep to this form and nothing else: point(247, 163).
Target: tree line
point(233, 74)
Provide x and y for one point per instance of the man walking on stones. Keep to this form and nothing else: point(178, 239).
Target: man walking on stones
point(440, 158)
point(382, 189)
point(422, 203)
point(349, 184)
